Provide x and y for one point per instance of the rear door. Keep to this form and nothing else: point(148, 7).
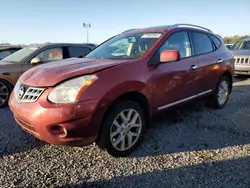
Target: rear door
point(175, 82)
point(78, 51)
point(205, 50)
point(47, 55)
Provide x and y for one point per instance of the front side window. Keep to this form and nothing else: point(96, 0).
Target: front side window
point(202, 43)
point(125, 46)
point(19, 55)
point(51, 54)
point(178, 41)
point(241, 45)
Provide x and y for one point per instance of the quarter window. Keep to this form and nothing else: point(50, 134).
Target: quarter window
point(178, 41)
point(217, 42)
point(51, 54)
point(202, 43)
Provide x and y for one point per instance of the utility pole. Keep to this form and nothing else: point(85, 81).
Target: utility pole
point(87, 30)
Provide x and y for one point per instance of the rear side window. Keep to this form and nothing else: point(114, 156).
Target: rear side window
point(217, 42)
point(75, 51)
point(202, 43)
point(5, 53)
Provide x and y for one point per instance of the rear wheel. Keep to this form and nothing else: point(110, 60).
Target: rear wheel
point(5, 90)
point(220, 97)
point(122, 129)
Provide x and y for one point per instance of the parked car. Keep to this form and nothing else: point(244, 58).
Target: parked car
point(110, 97)
point(17, 63)
point(241, 53)
point(229, 46)
point(6, 50)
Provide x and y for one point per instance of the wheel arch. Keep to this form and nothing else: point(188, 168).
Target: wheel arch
point(135, 96)
point(230, 77)
point(7, 81)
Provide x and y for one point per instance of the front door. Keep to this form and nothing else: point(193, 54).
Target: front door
point(175, 82)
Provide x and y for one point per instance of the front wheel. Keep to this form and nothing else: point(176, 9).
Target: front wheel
point(122, 129)
point(221, 95)
point(5, 90)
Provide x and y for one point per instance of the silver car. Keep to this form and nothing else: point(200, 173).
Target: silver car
point(241, 53)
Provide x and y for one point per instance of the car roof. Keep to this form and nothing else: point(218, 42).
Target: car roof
point(160, 29)
point(62, 44)
point(165, 28)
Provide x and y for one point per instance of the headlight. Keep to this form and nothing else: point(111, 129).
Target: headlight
point(70, 91)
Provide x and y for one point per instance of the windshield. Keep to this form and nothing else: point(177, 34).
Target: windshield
point(241, 45)
point(125, 46)
point(20, 54)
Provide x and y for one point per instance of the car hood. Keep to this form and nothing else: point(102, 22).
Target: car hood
point(50, 74)
point(240, 52)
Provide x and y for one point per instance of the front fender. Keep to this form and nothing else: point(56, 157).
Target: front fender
point(126, 87)
point(114, 93)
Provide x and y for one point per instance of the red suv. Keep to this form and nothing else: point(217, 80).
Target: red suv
point(109, 96)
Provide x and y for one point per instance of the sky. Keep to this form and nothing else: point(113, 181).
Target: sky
point(33, 21)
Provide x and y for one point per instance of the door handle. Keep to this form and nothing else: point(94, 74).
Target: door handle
point(193, 67)
point(220, 61)
point(6, 73)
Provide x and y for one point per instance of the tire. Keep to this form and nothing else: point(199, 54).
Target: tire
point(5, 91)
point(107, 142)
point(214, 100)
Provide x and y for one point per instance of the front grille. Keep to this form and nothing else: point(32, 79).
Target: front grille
point(32, 94)
point(27, 94)
point(242, 60)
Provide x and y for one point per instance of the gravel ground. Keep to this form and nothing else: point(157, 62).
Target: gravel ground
point(199, 147)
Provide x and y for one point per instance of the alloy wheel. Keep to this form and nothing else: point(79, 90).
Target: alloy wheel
point(4, 93)
point(125, 129)
point(223, 92)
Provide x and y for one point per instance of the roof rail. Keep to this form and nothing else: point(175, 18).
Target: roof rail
point(189, 25)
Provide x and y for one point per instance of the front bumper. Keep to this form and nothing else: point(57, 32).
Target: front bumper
point(69, 124)
point(242, 69)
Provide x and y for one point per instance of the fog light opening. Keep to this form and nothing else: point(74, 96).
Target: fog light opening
point(59, 131)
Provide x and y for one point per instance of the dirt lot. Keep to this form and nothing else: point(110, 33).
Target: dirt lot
point(201, 147)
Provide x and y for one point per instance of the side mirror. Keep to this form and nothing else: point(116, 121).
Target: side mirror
point(169, 55)
point(36, 60)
